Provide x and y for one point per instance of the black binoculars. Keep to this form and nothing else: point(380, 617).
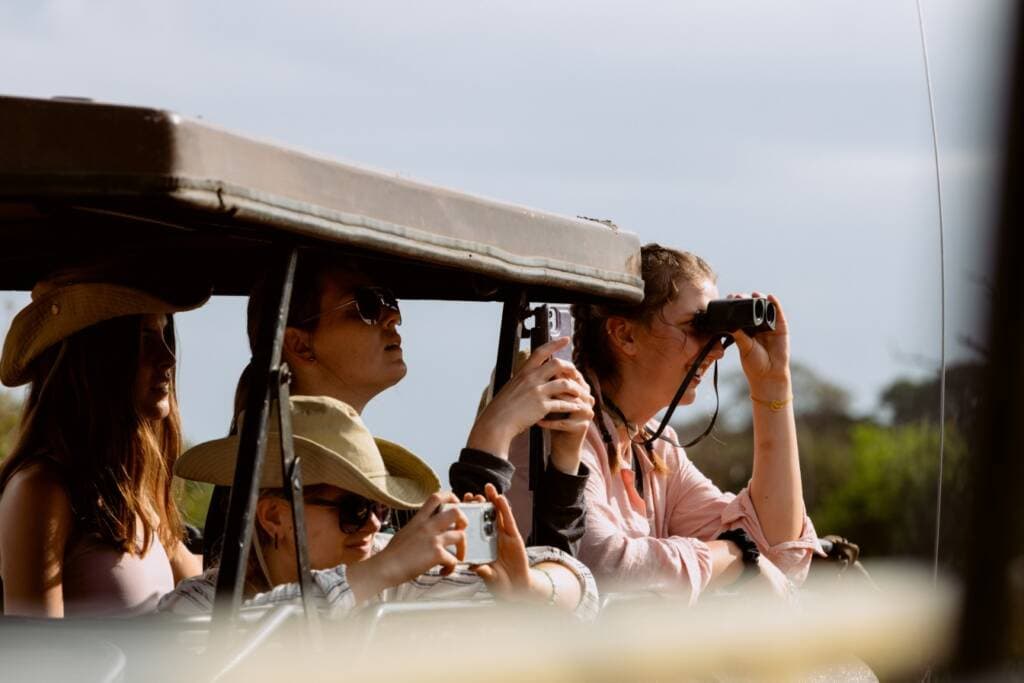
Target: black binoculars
point(725, 316)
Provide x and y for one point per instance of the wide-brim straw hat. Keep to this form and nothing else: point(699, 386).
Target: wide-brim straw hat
point(62, 306)
point(336, 448)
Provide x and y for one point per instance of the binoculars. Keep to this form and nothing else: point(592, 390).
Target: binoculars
point(725, 316)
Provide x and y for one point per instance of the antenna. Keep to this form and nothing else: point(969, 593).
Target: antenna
point(942, 297)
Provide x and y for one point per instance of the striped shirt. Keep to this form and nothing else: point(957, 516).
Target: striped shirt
point(333, 595)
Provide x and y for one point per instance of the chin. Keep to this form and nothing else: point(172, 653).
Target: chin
point(689, 397)
point(398, 372)
point(351, 556)
point(156, 411)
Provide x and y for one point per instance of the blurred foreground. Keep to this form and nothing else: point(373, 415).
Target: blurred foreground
point(841, 629)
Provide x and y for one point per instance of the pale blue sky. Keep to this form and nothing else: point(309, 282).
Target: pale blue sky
point(787, 142)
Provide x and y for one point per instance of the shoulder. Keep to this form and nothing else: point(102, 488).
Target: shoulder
point(667, 449)
point(593, 456)
point(191, 596)
point(593, 444)
point(35, 491)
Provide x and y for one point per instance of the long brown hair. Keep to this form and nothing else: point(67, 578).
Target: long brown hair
point(662, 269)
point(81, 419)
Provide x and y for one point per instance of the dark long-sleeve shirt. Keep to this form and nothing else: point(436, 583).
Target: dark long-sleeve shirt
point(560, 511)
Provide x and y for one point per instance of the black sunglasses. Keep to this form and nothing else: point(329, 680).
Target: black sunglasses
point(354, 511)
point(372, 304)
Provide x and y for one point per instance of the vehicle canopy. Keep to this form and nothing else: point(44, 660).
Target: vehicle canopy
point(78, 179)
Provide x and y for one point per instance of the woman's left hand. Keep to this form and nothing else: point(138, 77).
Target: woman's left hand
point(765, 357)
point(509, 577)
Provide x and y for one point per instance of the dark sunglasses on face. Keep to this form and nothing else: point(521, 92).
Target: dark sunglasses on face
point(372, 304)
point(354, 511)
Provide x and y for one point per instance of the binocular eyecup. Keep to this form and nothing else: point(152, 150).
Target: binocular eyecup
point(725, 316)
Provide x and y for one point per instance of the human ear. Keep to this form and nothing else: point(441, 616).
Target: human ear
point(621, 335)
point(298, 347)
point(274, 517)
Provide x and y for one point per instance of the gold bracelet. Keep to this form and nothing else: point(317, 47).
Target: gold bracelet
point(774, 406)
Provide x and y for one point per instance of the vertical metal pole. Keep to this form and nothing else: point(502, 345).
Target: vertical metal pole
point(509, 336)
point(252, 446)
point(291, 480)
point(540, 439)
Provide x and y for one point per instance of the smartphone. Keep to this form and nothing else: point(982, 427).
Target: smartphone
point(551, 322)
point(481, 533)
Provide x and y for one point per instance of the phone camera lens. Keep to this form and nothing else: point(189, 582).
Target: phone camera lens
point(488, 529)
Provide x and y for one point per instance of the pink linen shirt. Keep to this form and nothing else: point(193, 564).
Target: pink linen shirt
point(659, 542)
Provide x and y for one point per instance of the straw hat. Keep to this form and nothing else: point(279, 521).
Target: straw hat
point(336, 448)
point(65, 305)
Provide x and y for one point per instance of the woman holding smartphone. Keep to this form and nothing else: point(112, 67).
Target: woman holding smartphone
point(352, 482)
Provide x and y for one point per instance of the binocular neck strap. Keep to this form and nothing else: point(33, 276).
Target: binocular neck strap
point(649, 441)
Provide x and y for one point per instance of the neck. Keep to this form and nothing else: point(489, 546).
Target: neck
point(632, 398)
point(280, 565)
point(316, 386)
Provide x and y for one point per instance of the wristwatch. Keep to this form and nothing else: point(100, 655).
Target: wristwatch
point(748, 551)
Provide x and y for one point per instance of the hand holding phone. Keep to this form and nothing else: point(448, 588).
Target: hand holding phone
point(481, 531)
point(551, 322)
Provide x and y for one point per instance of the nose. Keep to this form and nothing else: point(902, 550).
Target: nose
point(165, 357)
point(392, 318)
point(373, 524)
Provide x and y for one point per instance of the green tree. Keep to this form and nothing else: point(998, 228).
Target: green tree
point(871, 478)
point(886, 498)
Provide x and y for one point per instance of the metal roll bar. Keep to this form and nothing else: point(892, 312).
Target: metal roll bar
point(268, 384)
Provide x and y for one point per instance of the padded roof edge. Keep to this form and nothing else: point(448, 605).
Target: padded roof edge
point(57, 148)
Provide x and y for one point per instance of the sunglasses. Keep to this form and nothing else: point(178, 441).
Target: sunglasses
point(354, 511)
point(372, 304)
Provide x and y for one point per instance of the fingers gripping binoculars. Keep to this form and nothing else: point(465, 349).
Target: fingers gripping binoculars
point(725, 316)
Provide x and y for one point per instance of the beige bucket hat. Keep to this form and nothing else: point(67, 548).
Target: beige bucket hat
point(68, 303)
point(336, 448)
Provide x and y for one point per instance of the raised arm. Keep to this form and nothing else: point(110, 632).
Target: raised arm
point(544, 384)
point(775, 487)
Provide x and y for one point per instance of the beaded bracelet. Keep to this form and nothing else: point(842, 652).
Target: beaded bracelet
point(554, 587)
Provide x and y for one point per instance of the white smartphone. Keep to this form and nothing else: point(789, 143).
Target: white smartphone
point(481, 533)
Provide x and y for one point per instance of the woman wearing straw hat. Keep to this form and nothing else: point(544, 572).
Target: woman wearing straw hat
point(342, 341)
point(88, 525)
point(352, 483)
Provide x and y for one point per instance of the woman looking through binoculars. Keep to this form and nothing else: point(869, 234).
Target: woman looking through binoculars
point(653, 520)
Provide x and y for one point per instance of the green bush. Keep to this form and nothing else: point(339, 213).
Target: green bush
point(886, 500)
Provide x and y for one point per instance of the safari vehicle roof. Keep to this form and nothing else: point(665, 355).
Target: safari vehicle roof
point(79, 178)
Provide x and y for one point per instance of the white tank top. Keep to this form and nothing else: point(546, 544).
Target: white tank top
point(101, 580)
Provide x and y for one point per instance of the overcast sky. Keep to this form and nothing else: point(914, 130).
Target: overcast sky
point(786, 142)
